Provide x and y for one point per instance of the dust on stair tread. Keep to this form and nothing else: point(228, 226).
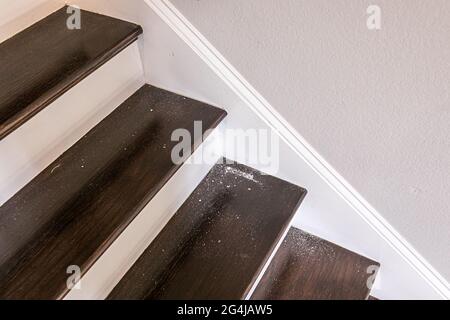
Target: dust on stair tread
point(218, 241)
point(43, 61)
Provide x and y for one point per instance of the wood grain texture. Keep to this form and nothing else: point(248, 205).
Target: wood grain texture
point(45, 60)
point(218, 241)
point(309, 268)
point(73, 211)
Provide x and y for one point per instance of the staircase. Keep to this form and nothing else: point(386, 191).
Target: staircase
point(222, 243)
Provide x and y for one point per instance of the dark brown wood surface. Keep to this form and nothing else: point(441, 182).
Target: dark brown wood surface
point(73, 211)
point(309, 268)
point(45, 60)
point(217, 243)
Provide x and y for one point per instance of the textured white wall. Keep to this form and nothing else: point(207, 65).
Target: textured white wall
point(375, 104)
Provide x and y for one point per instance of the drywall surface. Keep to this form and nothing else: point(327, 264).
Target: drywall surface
point(374, 103)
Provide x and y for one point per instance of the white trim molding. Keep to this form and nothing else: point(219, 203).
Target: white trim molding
point(254, 100)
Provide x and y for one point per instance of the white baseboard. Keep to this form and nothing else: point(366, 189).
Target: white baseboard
point(41, 140)
point(406, 274)
point(104, 275)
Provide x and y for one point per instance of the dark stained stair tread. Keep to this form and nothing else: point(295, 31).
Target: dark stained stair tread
point(218, 241)
point(42, 62)
point(309, 268)
point(71, 212)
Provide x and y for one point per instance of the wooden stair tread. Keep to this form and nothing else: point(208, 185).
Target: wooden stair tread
point(218, 241)
point(309, 268)
point(45, 60)
point(71, 212)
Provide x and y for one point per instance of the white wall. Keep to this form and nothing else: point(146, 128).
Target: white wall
point(375, 104)
point(19, 14)
point(172, 64)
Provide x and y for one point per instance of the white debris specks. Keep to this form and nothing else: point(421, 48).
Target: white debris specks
point(242, 174)
point(311, 247)
point(56, 167)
